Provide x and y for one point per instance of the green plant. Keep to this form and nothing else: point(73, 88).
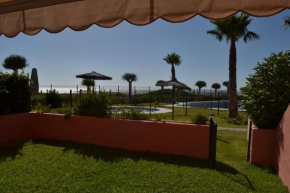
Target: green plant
point(130, 77)
point(40, 108)
point(156, 104)
point(15, 62)
point(267, 94)
point(199, 119)
point(91, 104)
point(200, 84)
point(173, 59)
point(53, 99)
point(239, 120)
point(15, 93)
point(89, 83)
point(130, 113)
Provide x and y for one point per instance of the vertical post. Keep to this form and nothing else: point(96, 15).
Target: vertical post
point(118, 95)
point(70, 99)
point(183, 101)
point(249, 142)
point(173, 93)
point(80, 92)
point(210, 100)
point(99, 89)
point(77, 90)
point(218, 103)
point(186, 104)
point(110, 94)
point(150, 99)
point(203, 93)
point(51, 87)
point(212, 142)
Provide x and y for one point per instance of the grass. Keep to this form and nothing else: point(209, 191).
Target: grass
point(179, 115)
point(50, 166)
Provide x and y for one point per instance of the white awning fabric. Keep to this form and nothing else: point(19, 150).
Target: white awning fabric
point(31, 16)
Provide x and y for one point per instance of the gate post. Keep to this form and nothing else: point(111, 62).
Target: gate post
point(212, 142)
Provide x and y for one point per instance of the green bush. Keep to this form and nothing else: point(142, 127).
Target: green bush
point(91, 104)
point(131, 114)
point(199, 119)
point(239, 120)
point(53, 99)
point(15, 93)
point(267, 94)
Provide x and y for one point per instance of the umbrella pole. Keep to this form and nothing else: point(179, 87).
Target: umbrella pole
point(173, 88)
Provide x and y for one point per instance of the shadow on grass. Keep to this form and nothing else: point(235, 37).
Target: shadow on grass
point(118, 155)
point(10, 151)
point(222, 140)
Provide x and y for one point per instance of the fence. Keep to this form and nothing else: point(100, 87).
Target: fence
point(143, 94)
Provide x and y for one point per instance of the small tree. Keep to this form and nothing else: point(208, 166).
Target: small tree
point(15, 62)
point(200, 84)
point(215, 86)
point(89, 83)
point(130, 77)
point(267, 94)
point(173, 59)
point(226, 84)
point(162, 88)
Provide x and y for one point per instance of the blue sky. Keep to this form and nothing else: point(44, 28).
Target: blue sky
point(141, 49)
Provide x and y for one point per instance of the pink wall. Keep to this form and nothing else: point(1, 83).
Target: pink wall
point(13, 128)
point(282, 162)
point(263, 146)
point(271, 148)
point(170, 138)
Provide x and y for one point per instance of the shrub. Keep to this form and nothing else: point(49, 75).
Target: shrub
point(199, 119)
point(15, 93)
point(239, 120)
point(267, 94)
point(91, 104)
point(53, 99)
point(131, 114)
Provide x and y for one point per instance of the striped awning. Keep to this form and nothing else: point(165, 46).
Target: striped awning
point(31, 16)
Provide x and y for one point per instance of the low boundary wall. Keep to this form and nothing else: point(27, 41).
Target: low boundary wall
point(169, 138)
point(271, 148)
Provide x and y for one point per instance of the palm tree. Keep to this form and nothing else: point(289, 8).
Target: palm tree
point(287, 22)
point(89, 83)
point(200, 84)
point(130, 77)
point(162, 88)
point(232, 29)
point(215, 86)
point(226, 84)
point(173, 59)
point(15, 62)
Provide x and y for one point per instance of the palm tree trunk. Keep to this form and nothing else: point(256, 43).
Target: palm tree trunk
point(215, 92)
point(162, 96)
point(130, 91)
point(199, 89)
point(173, 72)
point(233, 109)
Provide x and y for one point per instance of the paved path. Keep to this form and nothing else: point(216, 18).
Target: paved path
point(232, 129)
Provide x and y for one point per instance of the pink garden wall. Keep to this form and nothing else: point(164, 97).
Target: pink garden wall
point(271, 148)
point(169, 138)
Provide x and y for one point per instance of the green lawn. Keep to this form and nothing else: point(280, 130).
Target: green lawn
point(50, 166)
point(179, 115)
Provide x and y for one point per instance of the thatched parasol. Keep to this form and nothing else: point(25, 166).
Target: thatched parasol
point(93, 75)
point(174, 84)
